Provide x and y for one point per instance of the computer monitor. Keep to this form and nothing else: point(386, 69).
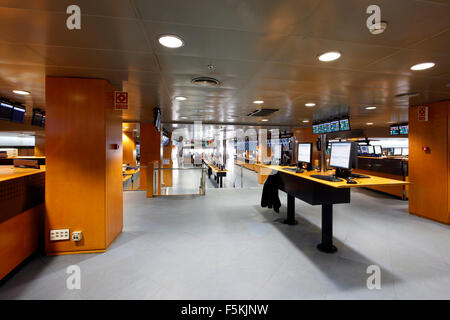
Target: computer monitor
point(370, 150)
point(326, 127)
point(378, 150)
point(316, 129)
point(334, 126)
point(364, 149)
point(397, 151)
point(403, 129)
point(405, 152)
point(394, 130)
point(340, 155)
point(344, 124)
point(304, 155)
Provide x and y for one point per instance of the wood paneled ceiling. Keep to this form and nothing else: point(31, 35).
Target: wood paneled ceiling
point(260, 49)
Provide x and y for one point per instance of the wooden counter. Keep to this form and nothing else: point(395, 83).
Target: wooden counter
point(9, 161)
point(22, 196)
point(361, 183)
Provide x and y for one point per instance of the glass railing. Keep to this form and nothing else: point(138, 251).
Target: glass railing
point(185, 181)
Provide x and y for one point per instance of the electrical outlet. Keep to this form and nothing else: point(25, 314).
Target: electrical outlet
point(59, 234)
point(77, 235)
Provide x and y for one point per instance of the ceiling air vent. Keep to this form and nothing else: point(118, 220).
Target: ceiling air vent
point(262, 112)
point(205, 82)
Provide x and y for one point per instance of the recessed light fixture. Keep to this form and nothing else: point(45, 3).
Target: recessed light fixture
point(371, 108)
point(258, 102)
point(265, 120)
point(305, 121)
point(383, 27)
point(180, 98)
point(329, 56)
point(171, 41)
point(184, 118)
point(369, 123)
point(310, 104)
point(21, 92)
point(423, 66)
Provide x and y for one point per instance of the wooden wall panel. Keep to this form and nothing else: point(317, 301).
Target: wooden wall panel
point(150, 139)
point(19, 237)
point(129, 148)
point(76, 149)
point(114, 160)
point(428, 171)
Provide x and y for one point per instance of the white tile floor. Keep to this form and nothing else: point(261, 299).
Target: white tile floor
point(225, 246)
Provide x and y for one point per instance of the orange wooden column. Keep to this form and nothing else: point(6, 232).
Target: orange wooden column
point(150, 139)
point(129, 148)
point(167, 163)
point(84, 164)
point(429, 172)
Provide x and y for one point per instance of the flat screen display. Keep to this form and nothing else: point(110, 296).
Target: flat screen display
point(344, 125)
point(370, 149)
point(326, 127)
point(395, 131)
point(404, 129)
point(316, 128)
point(37, 119)
point(397, 151)
point(340, 155)
point(334, 126)
point(6, 111)
point(304, 152)
point(165, 140)
point(405, 152)
point(377, 149)
point(364, 149)
point(18, 114)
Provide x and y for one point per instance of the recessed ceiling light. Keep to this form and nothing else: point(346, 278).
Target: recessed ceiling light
point(180, 98)
point(265, 120)
point(329, 56)
point(21, 92)
point(305, 121)
point(371, 108)
point(383, 27)
point(258, 102)
point(310, 104)
point(369, 123)
point(423, 66)
point(184, 118)
point(170, 41)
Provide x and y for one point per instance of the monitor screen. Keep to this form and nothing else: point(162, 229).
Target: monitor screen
point(334, 126)
point(370, 149)
point(326, 127)
point(397, 151)
point(378, 149)
point(405, 152)
point(345, 125)
point(364, 149)
point(165, 140)
point(6, 111)
point(316, 129)
point(394, 131)
point(37, 119)
point(304, 152)
point(404, 129)
point(340, 155)
point(19, 114)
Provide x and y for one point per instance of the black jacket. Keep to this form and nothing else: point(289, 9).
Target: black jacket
point(269, 196)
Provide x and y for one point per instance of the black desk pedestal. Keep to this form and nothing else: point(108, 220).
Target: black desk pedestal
point(327, 230)
point(314, 193)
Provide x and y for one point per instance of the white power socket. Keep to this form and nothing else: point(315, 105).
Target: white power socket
point(77, 235)
point(59, 234)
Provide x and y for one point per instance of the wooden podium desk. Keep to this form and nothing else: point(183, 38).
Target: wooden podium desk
point(320, 192)
point(219, 174)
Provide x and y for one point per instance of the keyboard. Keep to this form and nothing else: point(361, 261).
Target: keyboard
point(294, 170)
point(359, 176)
point(326, 178)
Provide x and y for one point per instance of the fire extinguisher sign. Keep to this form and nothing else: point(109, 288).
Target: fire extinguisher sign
point(120, 100)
